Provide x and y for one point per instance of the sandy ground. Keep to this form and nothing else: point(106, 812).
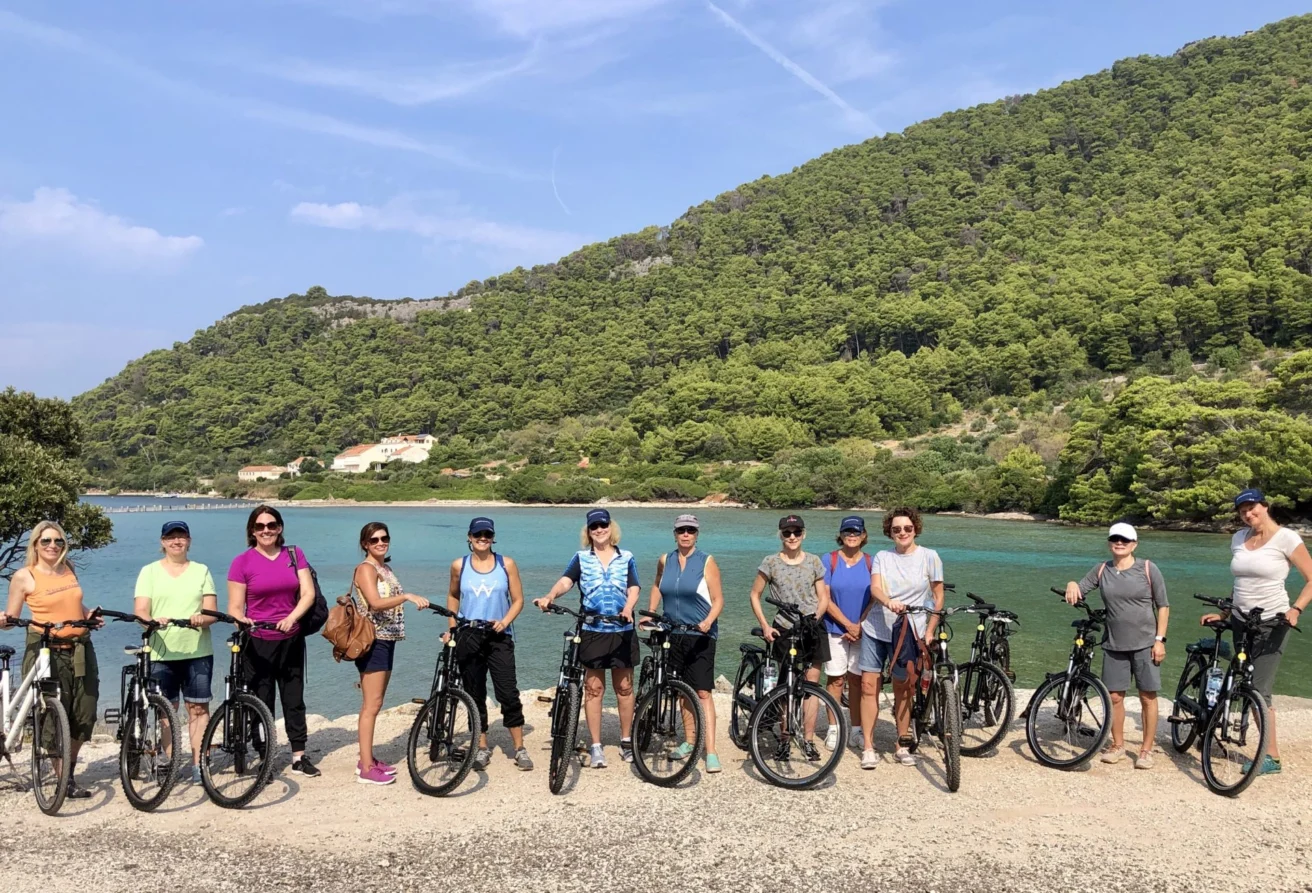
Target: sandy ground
point(1013, 826)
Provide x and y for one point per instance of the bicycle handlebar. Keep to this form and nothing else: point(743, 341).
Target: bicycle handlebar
point(149, 625)
point(228, 618)
point(783, 606)
point(587, 616)
point(438, 609)
point(665, 624)
point(1224, 604)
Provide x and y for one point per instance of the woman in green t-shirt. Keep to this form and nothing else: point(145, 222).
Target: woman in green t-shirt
point(173, 588)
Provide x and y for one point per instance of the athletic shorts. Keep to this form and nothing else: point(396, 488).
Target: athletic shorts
point(189, 677)
point(1118, 666)
point(693, 658)
point(875, 655)
point(844, 657)
point(608, 651)
point(812, 645)
point(378, 658)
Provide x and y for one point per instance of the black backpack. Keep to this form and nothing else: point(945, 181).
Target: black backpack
point(317, 616)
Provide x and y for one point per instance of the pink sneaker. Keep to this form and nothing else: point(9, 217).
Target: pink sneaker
point(379, 764)
point(375, 775)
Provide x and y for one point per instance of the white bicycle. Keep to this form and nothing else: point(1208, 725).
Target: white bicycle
point(34, 708)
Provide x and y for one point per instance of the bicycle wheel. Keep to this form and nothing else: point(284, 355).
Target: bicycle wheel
point(646, 675)
point(149, 754)
point(777, 735)
point(1069, 720)
point(236, 752)
point(51, 767)
point(564, 730)
point(744, 698)
point(1000, 655)
point(1183, 721)
point(947, 726)
point(667, 733)
point(443, 742)
point(1234, 742)
point(987, 707)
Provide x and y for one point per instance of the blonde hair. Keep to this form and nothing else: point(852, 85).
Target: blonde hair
point(32, 538)
point(585, 541)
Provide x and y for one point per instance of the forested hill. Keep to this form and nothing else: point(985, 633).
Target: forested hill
point(1132, 221)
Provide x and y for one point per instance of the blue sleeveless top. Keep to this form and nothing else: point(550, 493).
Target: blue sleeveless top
point(684, 596)
point(485, 596)
point(604, 589)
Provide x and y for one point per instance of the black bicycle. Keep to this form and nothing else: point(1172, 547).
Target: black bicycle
point(1069, 718)
point(1222, 705)
point(444, 737)
point(149, 734)
point(668, 733)
point(936, 704)
point(236, 752)
point(783, 723)
point(758, 674)
point(988, 702)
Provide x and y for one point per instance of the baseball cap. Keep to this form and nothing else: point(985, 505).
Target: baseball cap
point(175, 527)
point(687, 521)
point(788, 521)
point(853, 522)
point(598, 516)
point(481, 525)
point(1252, 494)
point(1122, 529)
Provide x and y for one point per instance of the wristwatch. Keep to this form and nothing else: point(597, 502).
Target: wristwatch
point(1161, 639)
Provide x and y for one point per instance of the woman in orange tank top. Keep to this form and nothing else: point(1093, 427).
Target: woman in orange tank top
point(52, 593)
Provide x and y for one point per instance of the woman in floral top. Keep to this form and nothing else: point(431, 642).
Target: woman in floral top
point(378, 595)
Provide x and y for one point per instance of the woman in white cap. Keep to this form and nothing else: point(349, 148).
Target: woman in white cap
point(688, 584)
point(1134, 594)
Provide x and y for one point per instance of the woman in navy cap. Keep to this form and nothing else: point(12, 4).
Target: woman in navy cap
point(485, 586)
point(607, 577)
point(1261, 555)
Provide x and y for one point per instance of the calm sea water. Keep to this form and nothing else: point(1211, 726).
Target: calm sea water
point(1010, 563)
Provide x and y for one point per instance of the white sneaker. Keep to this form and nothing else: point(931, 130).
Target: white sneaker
point(856, 740)
point(831, 738)
point(597, 757)
point(905, 757)
point(869, 760)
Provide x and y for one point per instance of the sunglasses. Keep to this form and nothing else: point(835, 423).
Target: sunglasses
point(600, 525)
point(481, 535)
point(384, 539)
point(685, 530)
point(52, 541)
point(272, 526)
point(792, 534)
point(909, 529)
point(1118, 540)
point(851, 532)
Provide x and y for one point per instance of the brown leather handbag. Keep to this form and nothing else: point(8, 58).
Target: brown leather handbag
point(350, 632)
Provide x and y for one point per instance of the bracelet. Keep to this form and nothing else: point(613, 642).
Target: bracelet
point(1295, 608)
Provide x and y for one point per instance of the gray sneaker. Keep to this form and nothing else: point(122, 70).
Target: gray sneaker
point(597, 757)
point(482, 759)
point(522, 760)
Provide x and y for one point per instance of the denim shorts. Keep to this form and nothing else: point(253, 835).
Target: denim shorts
point(190, 675)
point(875, 654)
point(379, 658)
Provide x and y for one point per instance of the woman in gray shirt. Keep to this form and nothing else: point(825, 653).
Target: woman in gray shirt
point(1134, 594)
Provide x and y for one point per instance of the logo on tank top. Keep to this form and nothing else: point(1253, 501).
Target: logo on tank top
point(482, 589)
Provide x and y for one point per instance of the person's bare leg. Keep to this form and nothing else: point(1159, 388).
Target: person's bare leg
point(1148, 701)
point(871, 683)
point(811, 706)
point(622, 681)
point(198, 716)
point(855, 709)
point(1118, 720)
point(373, 686)
point(594, 683)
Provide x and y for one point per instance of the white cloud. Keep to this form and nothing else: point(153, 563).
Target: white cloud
point(56, 217)
point(842, 35)
point(453, 227)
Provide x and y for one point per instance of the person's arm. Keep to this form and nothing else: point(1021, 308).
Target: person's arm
point(758, 589)
point(1301, 560)
point(20, 585)
point(1075, 592)
point(453, 596)
point(936, 590)
point(237, 601)
point(209, 601)
point(366, 580)
point(711, 574)
point(634, 591)
point(141, 596)
point(853, 630)
point(571, 576)
point(306, 600)
point(655, 598)
point(516, 596)
point(821, 596)
point(1157, 588)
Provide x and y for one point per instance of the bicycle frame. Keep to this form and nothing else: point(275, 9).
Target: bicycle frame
point(18, 704)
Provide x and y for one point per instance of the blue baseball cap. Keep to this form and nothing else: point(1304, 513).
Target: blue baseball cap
point(174, 527)
point(853, 522)
point(481, 525)
point(1252, 494)
point(598, 516)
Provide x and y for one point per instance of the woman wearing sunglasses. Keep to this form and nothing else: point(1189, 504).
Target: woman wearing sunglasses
point(796, 578)
point(1134, 594)
point(50, 589)
point(272, 583)
point(485, 586)
point(379, 597)
point(607, 577)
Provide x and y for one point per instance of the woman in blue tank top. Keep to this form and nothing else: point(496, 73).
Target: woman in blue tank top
point(688, 585)
point(485, 586)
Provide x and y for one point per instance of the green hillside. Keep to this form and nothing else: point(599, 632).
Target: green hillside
point(1002, 259)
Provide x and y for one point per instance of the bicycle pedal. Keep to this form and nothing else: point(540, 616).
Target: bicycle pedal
point(113, 716)
point(420, 701)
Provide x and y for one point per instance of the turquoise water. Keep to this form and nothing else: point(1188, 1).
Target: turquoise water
point(1010, 563)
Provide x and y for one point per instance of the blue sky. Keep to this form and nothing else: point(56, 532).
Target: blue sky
point(164, 163)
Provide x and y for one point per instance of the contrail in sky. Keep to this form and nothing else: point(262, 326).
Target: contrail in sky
point(854, 115)
point(564, 207)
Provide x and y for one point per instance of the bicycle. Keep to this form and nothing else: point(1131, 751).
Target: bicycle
point(781, 720)
point(443, 739)
point(1231, 714)
point(149, 735)
point(936, 704)
point(236, 751)
point(1068, 719)
point(757, 675)
point(988, 702)
point(567, 702)
point(33, 707)
point(668, 733)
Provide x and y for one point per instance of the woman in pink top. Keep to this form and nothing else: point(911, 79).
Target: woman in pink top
point(272, 583)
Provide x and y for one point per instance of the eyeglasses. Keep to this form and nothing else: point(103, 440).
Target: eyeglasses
point(599, 525)
point(851, 532)
point(52, 541)
point(481, 535)
point(1118, 540)
point(685, 530)
point(908, 529)
point(384, 540)
point(171, 537)
point(792, 534)
point(272, 527)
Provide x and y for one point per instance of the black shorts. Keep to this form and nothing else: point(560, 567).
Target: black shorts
point(693, 658)
point(380, 657)
point(608, 651)
point(812, 645)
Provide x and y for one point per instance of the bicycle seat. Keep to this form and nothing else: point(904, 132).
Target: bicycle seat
point(750, 648)
point(984, 608)
point(1217, 624)
point(6, 652)
point(1205, 646)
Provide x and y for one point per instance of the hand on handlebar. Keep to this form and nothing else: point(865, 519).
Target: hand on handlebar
point(1292, 619)
point(896, 606)
point(1209, 618)
point(285, 625)
point(544, 603)
point(4, 620)
point(627, 614)
point(705, 625)
point(769, 633)
point(1073, 594)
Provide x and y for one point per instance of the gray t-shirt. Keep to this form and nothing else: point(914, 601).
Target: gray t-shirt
point(907, 579)
point(792, 584)
point(1131, 597)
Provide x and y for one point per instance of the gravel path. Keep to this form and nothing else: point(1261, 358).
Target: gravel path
point(1013, 826)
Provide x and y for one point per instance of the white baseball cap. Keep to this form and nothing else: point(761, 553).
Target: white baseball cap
point(1122, 529)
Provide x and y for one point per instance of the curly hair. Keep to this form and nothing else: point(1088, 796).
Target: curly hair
point(903, 511)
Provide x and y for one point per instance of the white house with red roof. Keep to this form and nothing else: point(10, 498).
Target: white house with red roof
point(412, 448)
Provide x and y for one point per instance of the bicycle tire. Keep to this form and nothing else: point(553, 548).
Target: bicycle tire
point(1000, 655)
point(1216, 736)
point(647, 669)
point(133, 755)
point(253, 740)
point(947, 704)
point(1084, 742)
point(749, 672)
point(650, 727)
point(442, 737)
point(50, 720)
point(1184, 734)
point(564, 731)
point(768, 711)
point(988, 702)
